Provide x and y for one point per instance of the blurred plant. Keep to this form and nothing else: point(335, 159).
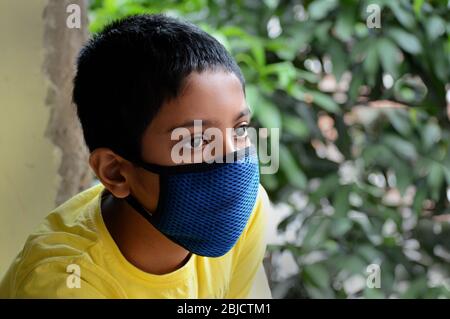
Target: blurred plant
point(364, 115)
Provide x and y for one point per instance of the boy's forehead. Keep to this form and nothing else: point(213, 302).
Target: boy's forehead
point(215, 96)
point(211, 82)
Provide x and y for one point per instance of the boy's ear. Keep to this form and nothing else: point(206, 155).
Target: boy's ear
point(112, 170)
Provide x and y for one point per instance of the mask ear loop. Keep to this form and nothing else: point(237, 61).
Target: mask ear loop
point(134, 203)
point(153, 220)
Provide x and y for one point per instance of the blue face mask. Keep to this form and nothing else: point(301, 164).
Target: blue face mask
point(204, 207)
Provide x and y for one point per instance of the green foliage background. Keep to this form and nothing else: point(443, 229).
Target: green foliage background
point(364, 161)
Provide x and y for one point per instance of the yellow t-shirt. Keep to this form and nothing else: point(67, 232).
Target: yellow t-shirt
point(72, 255)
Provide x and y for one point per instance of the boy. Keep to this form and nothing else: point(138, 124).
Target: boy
point(155, 227)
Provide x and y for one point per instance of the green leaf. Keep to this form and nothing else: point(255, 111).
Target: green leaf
point(296, 126)
point(447, 173)
point(418, 7)
point(405, 40)
point(403, 176)
point(322, 32)
point(363, 221)
point(233, 31)
point(399, 120)
point(403, 15)
point(285, 71)
point(441, 62)
point(325, 101)
point(111, 6)
point(402, 147)
point(357, 81)
point(352, 264)
point(410, 90)
point(258, 53)
point(435, 27)
point(370, 293)
point(341, 201)
point(431, 134)
point(340, 226)
point(369, 253)
point(272, 4)
point(371, 64)
point(316, 233)
point(287, 50)
point(389, 54)
point(292, 171)
point(317, 274)
point(435, 179)
point(338, 58)
point(319, 9)
point(345, 23)
point(248, 60)
point(269, 181)
point(307, 76)
point(296, 91)
point(419, 197)
point(253, 97)
point(417, 289)
point(327, 185)
point(268, 114)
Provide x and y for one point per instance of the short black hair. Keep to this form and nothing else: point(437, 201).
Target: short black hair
point(127, 71)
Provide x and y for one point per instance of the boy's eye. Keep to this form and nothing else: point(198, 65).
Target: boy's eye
point(241, 131)
point(195, 142)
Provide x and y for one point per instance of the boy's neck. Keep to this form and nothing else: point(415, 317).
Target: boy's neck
point(139, 242)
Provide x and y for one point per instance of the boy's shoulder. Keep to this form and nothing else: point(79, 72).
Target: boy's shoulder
point(71, 222)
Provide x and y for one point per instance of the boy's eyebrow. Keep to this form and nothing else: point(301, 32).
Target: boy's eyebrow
point(243, 113)
point(190, 123)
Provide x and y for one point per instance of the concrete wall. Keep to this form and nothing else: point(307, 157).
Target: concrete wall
point(35, 169)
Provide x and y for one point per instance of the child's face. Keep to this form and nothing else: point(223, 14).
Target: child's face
point(216, 98)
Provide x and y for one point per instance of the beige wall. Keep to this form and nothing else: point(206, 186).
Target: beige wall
point(32, 160)
point(28, 162)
